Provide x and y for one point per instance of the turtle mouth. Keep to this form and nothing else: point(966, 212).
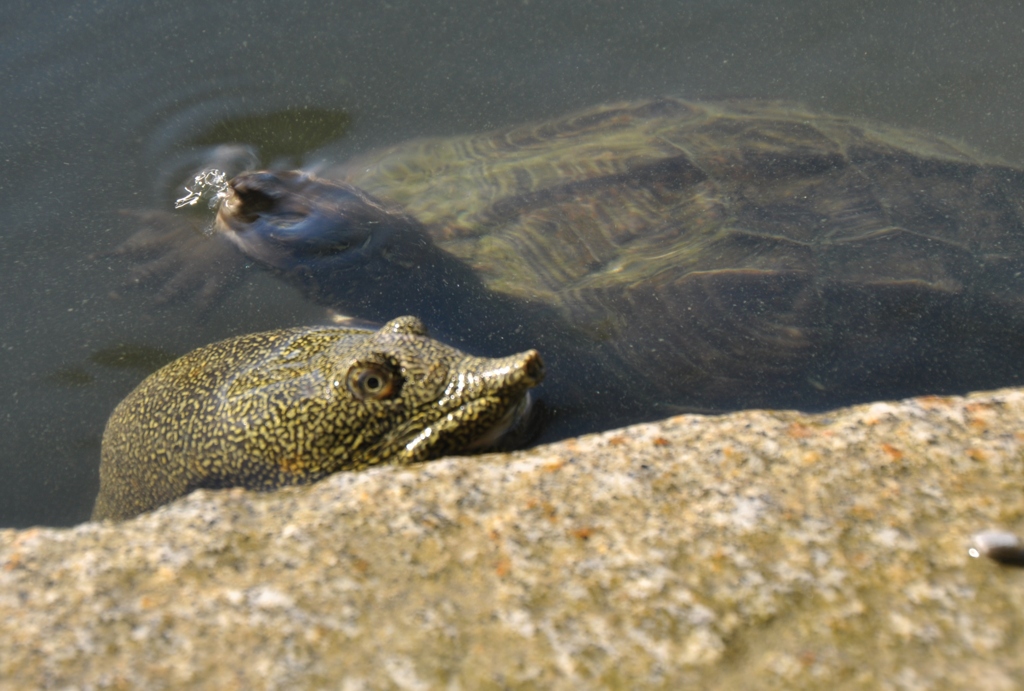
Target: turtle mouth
point(511, 425)
point(490, 410)
point(514, 426)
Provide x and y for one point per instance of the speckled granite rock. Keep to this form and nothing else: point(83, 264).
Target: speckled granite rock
point(761, 549)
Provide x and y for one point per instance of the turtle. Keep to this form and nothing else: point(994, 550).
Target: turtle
point(273, 409)
point(669, 256)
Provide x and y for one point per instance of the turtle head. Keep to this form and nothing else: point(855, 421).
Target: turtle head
point(343, 248)
point(439, 400)
point(297, 224)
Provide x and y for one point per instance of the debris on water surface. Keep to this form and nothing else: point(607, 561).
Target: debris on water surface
point(998, 545)
point(211, 184)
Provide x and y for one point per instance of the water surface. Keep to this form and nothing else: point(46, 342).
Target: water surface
point(105, 104)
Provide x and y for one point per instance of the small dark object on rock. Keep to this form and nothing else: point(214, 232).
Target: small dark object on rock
point(998, 545)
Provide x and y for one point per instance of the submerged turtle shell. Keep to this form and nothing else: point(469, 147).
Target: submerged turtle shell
point(709, 256)
point(623, 193)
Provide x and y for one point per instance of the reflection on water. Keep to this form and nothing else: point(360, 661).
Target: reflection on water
point(106, 105)
point(283, 135)
point(138, 356)
point(71, 376)
point(141, 358)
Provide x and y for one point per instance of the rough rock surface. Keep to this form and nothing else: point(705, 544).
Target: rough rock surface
point(758, 550)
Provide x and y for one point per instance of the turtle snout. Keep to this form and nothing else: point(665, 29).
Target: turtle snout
point(533, 367)
point(255, 194)
point(515, 372)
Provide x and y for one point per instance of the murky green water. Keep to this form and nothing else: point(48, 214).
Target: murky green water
point(105, 104)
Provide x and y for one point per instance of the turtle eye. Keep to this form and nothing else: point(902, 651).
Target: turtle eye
point(373, 382)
